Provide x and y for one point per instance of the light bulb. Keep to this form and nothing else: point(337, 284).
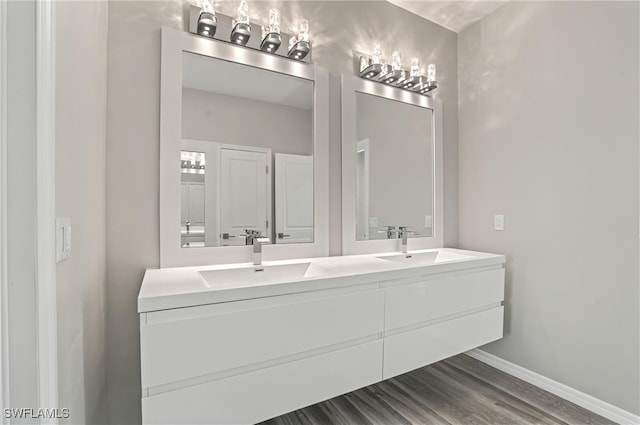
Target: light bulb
point(415, 67)
point(274, 21)
point(431, 72)
point(377, 54)
point(207, 21)
point(364, 63)
point(207, 6)
point(303, 30)
point(243, 12)
point(396, 61)
point(292, 42)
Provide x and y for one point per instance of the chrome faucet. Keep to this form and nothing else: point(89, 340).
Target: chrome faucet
point(402, 234)
point(255, 238)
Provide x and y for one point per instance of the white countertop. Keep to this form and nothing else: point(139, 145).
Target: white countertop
point(178, 287)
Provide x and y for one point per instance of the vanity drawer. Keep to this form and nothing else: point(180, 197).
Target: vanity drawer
point(432, 298)
point(227, 336)
point(256, 396)
point(410, 350)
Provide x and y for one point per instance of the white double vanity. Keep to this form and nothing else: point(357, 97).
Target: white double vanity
point(258, 320)
point(231, 345)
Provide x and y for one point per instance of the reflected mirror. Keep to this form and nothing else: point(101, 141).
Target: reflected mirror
point(394, 168)
point(246, 154)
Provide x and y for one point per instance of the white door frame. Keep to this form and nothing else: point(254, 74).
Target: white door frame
point(46, 307)
point(4, 328)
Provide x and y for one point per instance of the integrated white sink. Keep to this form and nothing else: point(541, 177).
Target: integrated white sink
point(418, 258)
point(263, 275)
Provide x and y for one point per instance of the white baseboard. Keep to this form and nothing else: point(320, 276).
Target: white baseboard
point(591, 403)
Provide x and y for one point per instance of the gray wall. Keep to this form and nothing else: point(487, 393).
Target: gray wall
point(133, 140)
point(223, 119)
point(549, 137)
point(81, 104)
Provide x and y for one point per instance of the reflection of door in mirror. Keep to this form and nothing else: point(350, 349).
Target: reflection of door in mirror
point(362, 190)
point(244, 186)
point(294, 198)
point(232, 196)
point(192, 197)
point(394, 167)
point(243, 118)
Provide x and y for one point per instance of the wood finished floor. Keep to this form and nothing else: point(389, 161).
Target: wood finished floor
point(459, 390)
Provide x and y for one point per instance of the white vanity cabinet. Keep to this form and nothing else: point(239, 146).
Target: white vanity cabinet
point(257, 357)
point(247, 361)
point(428, 319)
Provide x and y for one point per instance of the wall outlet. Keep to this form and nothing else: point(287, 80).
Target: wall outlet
point(373, 221)
point(498, 222)
point(428, 221)
point(63, 238)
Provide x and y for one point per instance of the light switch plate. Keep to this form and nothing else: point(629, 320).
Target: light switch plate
point(63, 238)
point(428, 221)
point(373, 221)
point(498, 222)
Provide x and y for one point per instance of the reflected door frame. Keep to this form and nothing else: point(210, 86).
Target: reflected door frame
point(290, 224)
point(212, 177)
point(362, 190)
point(211, 155)
point(269, 191)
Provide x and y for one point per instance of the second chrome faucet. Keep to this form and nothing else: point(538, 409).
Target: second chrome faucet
point(255, 238)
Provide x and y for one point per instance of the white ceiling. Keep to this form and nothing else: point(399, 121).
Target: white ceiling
point(453, 15)
point(233, 79)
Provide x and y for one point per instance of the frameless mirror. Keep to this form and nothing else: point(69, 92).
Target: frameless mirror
point(394, 168)
point(246, 154)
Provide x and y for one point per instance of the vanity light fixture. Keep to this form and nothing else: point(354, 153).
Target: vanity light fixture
point(203, 21)
point(241, 28)
point(271, 38)
point(373, 68)
point(431, 82)
point(394, 72)
point(207, 21)
point(413, 80)
point(299, 46)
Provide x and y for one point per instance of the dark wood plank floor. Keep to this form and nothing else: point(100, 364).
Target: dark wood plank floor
point(459, 390)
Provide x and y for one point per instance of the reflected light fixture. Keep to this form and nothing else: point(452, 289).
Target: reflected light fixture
point(271, 38)
point(207, 21)
point(241, 27)
point(300, 46)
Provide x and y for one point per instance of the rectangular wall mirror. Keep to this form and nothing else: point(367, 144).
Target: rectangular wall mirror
point(243, 153)
point(392, 167)
point(247, 154)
